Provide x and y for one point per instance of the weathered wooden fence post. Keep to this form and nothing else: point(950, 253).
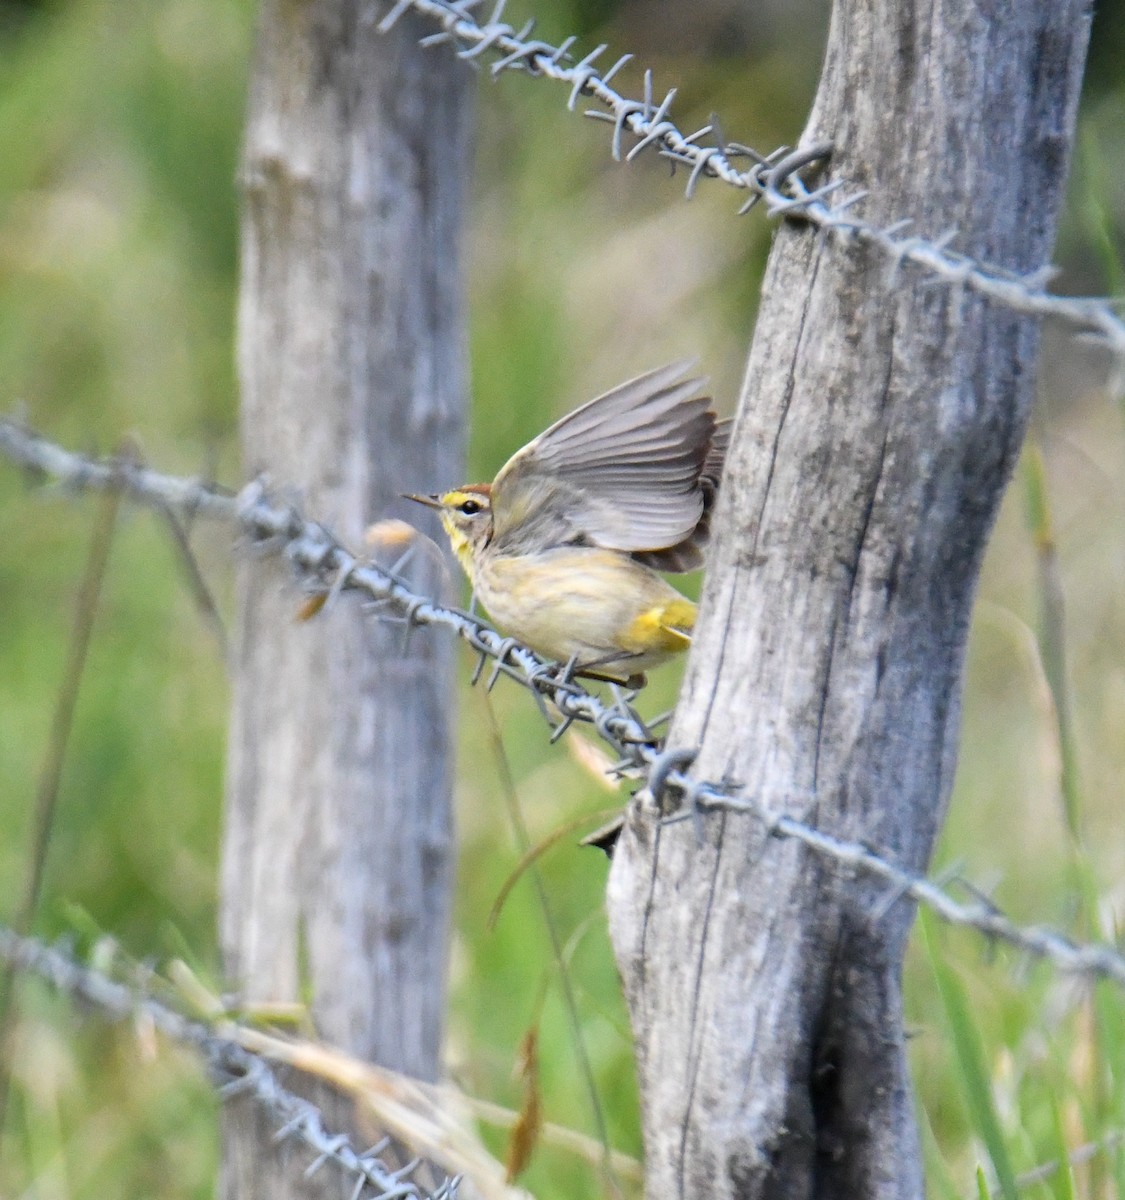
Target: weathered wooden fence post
point(338, 855)
point(878, 425)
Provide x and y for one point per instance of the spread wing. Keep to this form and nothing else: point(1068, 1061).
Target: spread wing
point(688, 554)
point(621, 472)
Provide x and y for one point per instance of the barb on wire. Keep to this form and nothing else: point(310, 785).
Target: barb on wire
point(239, 1071)
point(774, 178)
point(317, 556)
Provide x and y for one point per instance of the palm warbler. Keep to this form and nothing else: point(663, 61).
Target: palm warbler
point(563, 547)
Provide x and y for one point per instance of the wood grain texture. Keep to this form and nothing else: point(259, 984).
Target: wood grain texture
point(338, 855)
point(878, 424)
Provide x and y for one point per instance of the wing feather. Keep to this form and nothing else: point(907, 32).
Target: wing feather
point(688, 554)
point(622, 472)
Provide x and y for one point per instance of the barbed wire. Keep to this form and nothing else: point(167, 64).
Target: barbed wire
point(772, 178)
point(238, 1070)
point(320, 559)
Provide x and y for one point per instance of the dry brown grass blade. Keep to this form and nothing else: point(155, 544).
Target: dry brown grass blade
point(559, 1137)
point(529, 1122)
point(427, 1116)
point(594, 761)
point(311, 605)
point(416, 1114)
point(50, 776)
point(538, 850)
point(566, 987)
point(196, 581)
point(391, 534)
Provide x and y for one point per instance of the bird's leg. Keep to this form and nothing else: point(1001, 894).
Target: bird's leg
point(633, 682)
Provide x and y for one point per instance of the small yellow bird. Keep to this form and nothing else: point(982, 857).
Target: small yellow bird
point(563, 547)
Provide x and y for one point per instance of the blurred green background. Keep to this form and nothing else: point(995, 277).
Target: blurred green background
point(119, 132)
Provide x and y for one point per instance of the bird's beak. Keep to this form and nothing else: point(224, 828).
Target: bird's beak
point(429, 501)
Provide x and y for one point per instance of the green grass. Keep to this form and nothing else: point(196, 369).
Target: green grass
point(119, 129)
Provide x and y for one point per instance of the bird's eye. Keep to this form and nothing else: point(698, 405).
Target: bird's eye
point(470, 508)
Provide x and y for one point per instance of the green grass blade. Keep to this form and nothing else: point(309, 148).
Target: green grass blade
point(971, 1059)
point(1062, 1181)
point(983, 1192)
point(939, 1180)
point(1097, 210)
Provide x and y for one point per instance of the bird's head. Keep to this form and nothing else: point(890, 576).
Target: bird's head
point(466, 514)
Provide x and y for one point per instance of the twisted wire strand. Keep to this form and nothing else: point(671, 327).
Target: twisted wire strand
point(771, 178)
point(240, 1071)
point(318, 558)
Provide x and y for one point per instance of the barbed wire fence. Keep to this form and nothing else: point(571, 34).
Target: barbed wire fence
point(236, 1070)
point(773, 178)
point(322, 563)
